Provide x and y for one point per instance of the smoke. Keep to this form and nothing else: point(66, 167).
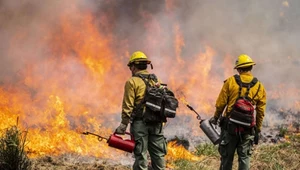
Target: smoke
point(24, 29)
point(265, 30)
point(268, 31)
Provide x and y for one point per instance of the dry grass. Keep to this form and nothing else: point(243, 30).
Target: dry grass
point(75, 162)
point(268, 156)
point(280, 156)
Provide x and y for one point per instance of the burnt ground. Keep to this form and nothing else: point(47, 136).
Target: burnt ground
point(75, 162)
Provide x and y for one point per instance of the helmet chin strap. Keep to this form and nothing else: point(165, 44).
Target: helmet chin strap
point(151, 66)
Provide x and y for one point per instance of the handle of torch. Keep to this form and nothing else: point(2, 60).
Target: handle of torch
point(100, 138)
point(192, 109)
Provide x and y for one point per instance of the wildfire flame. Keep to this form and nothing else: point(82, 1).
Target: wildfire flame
point(179, 152)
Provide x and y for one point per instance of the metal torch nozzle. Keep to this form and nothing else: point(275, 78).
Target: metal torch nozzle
point(192, 109)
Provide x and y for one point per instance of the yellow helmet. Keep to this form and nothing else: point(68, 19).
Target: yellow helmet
point(138, 56)
point(243, 61)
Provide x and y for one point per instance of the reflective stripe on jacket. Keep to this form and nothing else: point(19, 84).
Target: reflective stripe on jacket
point(230, 91)
point(134, 92)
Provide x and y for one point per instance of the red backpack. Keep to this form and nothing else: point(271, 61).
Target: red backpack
point(243, 110)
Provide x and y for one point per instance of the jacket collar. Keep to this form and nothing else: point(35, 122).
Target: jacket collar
point(246, 73)
point(142, 72)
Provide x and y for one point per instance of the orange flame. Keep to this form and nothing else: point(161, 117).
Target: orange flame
point(179, 152)
point(78, 86)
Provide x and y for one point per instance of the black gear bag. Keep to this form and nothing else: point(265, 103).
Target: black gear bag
point(160, 103)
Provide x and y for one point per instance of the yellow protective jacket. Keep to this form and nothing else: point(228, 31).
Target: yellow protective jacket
point(134, 93)
point(230, 92)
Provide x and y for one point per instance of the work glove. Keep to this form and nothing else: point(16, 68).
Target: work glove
point(256, 136)
point(213, 120)
point(121, 129)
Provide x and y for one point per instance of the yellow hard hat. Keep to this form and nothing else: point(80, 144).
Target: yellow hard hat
point(243, 61)
point(138, 56)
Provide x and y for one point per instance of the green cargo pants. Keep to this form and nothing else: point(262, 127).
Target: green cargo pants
point(242, 143)
point(148, 137)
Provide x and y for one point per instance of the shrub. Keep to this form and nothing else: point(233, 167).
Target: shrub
point(207, 149)
point(12, 153)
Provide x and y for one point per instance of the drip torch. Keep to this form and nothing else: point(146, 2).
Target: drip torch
point(117, 141)
point(210, 131)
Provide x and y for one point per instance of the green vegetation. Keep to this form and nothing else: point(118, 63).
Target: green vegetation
point(12, 153)
point(281, 156)
point(282, 131)
point(207, 150)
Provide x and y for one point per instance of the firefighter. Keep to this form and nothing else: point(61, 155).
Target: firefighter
point(148, 137)
point(234, 137)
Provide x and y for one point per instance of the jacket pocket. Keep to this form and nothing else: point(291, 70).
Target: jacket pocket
point(139, 145)
point(245, 149)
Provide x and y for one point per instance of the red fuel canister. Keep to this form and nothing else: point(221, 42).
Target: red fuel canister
point(120, 143)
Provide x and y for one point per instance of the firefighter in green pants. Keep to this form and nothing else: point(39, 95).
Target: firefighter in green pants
point(148, 136)
point(235, 136)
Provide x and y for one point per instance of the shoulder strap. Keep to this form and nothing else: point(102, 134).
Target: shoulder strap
point(239, 81)
point(143, 77)
point(147, 76)
point(242, 84)
point(256, 92)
